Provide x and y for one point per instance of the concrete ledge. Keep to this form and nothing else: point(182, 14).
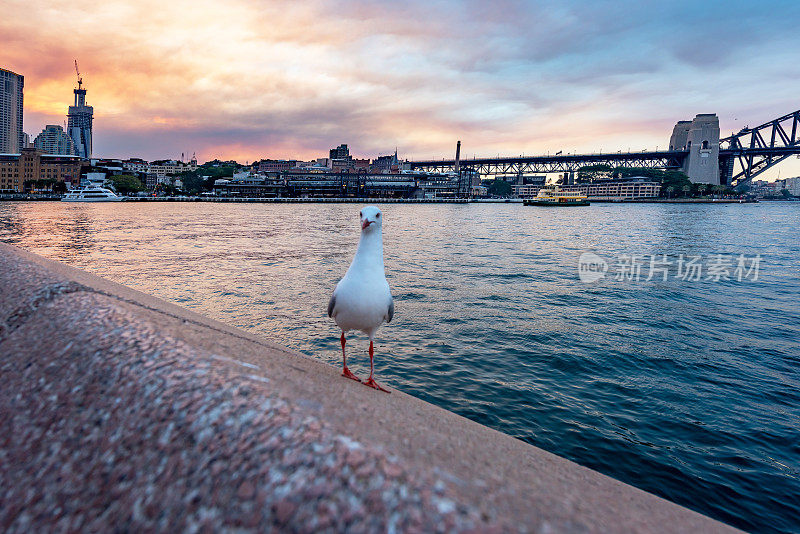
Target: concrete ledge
point(121, 411)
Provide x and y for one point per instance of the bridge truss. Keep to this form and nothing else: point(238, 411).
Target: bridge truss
point(751, 151)
point(559, 163)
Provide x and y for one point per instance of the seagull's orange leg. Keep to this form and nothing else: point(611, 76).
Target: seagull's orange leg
point(345, 371)
point(371, 381)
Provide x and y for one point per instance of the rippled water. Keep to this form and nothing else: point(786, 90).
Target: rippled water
point(690, 390)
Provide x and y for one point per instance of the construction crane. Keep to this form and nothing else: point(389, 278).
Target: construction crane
point(80, 80)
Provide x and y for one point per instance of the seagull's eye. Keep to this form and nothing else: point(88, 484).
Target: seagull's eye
point(378, 215)
point(360, 213)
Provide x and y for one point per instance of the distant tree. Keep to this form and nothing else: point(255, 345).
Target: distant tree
point(701, 188)
point(167, 189)
point(59, 187)
point(195, 184)
point(126, 184)
point(686, 189)
point(219, 163)
point(786, 193)
point(594, 172)
point(670, 189)
point(499, 188)
point(718, 189)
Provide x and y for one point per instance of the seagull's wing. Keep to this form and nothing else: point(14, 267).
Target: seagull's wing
point(390, 313)
point(331, 304)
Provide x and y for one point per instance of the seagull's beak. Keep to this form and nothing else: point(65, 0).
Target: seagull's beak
point(365, 223)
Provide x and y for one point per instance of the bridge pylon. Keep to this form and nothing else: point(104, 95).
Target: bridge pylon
point(700, 139)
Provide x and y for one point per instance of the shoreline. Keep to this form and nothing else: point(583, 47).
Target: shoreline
point(366, 200)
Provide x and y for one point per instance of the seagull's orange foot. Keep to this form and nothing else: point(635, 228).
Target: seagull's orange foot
point(371, 383)
point(347, 374)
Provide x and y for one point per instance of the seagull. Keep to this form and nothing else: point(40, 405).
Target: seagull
point(362, 299)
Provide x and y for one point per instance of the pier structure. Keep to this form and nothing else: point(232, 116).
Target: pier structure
point(121, 411)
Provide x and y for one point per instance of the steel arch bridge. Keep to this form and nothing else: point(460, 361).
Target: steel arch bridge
point(751, 151)
point(742, 156)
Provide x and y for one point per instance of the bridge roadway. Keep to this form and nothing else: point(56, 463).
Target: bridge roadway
point(665, 159)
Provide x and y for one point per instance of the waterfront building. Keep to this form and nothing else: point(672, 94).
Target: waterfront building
point(527, 186)
point(761, 188)
point(12, 138)
point(341, 165)
point(793, 185)
point(54, 140)
point(135, 165)
point(33, 164)
point(479, 191)
point(79, 123)
point(628, 189)
point(151, 181)
point(276, 165)
point(384, 164)
point(359, 165)
point(526, 190)
point(164, 168)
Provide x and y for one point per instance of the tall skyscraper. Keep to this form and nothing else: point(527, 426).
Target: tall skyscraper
point(54, 140)
point(11, 134)
point(79, 123)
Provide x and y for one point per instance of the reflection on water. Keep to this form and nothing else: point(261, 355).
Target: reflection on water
point(688, 390)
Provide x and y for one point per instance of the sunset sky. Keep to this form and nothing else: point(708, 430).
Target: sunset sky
point(253, 79)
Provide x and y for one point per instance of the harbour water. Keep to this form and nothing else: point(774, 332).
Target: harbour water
point(686, 387)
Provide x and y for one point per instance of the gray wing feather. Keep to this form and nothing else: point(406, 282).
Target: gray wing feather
point(391, 311)
point(331, 305)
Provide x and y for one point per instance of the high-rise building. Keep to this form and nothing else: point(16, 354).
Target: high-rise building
point(340, 152)
point(11, 134)
point(79, 123)
point(54, 140)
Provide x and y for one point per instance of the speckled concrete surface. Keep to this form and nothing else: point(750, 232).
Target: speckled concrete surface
point(122, 412)
point(112, 423)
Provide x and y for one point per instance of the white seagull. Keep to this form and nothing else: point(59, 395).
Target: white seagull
point(362, 299)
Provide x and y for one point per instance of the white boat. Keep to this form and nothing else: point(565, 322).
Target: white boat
point(92, 193)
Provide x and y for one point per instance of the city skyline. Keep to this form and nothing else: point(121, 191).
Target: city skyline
point(240, 82)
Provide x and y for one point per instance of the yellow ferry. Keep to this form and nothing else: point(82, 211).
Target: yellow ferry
point(552, 195)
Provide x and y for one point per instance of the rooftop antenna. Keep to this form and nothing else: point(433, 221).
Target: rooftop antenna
point(80, 80)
